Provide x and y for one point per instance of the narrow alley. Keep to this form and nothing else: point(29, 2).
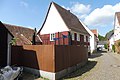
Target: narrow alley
point(101, 66)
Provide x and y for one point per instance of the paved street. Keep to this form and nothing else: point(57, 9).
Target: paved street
point(101, 66)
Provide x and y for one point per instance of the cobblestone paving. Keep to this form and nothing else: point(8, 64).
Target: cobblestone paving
point(107, 68)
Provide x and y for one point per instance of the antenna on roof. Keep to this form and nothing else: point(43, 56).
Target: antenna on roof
point(68, 10)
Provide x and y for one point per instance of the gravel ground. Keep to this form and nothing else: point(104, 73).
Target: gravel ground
point(101, 66)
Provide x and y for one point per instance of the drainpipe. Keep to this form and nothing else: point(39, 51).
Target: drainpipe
point(58, 38)
point(8, 54)
point(69, 37)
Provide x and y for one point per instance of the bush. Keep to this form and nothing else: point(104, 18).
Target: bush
point(113, 48)
point(105, 46)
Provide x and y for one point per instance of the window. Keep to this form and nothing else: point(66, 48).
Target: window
point(84, 38)
point(52, 36)
point(81, 38)
point(78, 37)
point(73, 36)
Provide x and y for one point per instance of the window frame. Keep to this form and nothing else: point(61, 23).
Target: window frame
point(73, 36)
point(52, 36)
point(78, 37)
point(85, 38)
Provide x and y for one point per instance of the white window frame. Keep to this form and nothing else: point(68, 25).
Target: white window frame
point(73, 36)
point(78, 37)
point(84, 38)
point(52, 36)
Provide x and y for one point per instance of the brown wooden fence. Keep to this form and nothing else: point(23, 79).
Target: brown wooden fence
point(51, 58)
point(67, 56)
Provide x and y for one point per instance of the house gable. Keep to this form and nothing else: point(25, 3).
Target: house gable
point(54, 22)
point(63, 19)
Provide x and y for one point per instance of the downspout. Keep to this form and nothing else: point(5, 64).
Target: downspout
point(8, 55)
point(69, 37)
point(58, 38)
point(8, 50)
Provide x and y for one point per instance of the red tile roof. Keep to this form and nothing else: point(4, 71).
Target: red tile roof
point(95, 32)
point(23, 35)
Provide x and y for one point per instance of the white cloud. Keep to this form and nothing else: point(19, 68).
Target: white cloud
point(24, 4)
point(102, 16)
point(80, 10)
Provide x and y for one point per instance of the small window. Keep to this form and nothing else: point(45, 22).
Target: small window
point(84, 38)
point(52, 36)
point(73, 37)
point(81, 38)
point(78, 37)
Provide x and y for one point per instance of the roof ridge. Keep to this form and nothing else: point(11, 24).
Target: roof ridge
point(16, 26)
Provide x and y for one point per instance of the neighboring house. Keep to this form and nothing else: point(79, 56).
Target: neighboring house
point(61, 27)
point(5, 47)
point(95, 31)
point(117, 27)
point(110, 38)
point(94, 40)
point(117, 31)
point(22, 35)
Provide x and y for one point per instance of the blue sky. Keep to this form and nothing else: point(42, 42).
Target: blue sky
point(96, 14)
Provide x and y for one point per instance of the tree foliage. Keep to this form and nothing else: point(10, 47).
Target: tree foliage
point(101, 38)
point(13, 41)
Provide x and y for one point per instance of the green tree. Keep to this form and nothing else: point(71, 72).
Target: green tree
point(101, 38)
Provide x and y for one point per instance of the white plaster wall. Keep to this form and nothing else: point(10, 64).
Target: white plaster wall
point(116, 30)
point(9, 50)
point(92, 43)
point(54, 22)
point(111, 41)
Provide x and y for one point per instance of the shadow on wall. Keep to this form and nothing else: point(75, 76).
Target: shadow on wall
point(30, 59)
point(26, 58)
point(82, 70)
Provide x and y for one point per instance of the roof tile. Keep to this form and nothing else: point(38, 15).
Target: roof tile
point(23, 35)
